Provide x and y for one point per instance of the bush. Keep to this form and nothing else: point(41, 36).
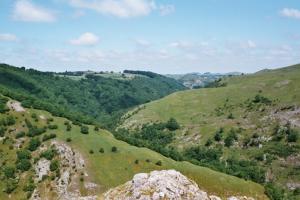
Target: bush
point(274, 192)
point(172, 124)
point(114, 149)
point(54, 165)
point(69, 127)
point(9, 171)
point(54, 126)
point(68, 139)
point(48, 137)
point(23, 165)
point(48, 154)
point(20, 134)
point(91, 151)
point(10, 186)
point(96, 128)
point(136, 162)
point(101, 150)
point(218, 136)
point(84, 130)
point(23, 154)
point(158, 163)
point(2, 131)
point(293, 136)
point(208, 142)
point(34, 143)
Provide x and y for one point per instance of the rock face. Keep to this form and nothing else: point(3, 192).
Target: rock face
point(158, 185)
point(161, 185)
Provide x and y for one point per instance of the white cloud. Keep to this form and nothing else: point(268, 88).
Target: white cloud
point(142, 43)
point(119, 8)
point(25, 10)
point(290, 12)
point(251, 44)
point(85, 39)
point(7, 37)
point(166, 9)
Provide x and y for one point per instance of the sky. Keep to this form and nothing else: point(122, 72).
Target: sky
point(163, 36)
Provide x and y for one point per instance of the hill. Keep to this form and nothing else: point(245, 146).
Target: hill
point(83, 96)
point(251, 123)
point(44, 156)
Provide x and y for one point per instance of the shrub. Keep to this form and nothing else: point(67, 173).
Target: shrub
point(2, 131)
point(10, 186)
point(20, 134)
point(208, 142)
point(23, 165)
point(101, 150)
point(158, 163)
point(68, 139)
point(34, 143)
point(48, 137)
point(293, 136)
point(114, 149)
point(23, 154)
point(9, 171)
point(54, 165)
point(91, 151)
point(218, 136)
point(136, 162)
point(54, 126)
point(48, 154)
point(274, 192)
point(172, 124)
point(69, 127)
point(230, 116)
point(84, 130)
point(96, 128)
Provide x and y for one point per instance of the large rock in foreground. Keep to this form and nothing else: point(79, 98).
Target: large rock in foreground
point(166, 184)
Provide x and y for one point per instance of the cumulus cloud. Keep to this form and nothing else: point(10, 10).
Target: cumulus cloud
point(85, 39)
point(25, 10)
point(7, 37)
point(119, 8)
point(123, 8)
point(291, 13)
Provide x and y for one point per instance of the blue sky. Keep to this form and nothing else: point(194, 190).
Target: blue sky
point(164, 36)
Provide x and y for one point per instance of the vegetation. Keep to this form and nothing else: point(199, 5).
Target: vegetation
point(105, 99)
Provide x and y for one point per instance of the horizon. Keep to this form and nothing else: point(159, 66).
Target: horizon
point(166, 37)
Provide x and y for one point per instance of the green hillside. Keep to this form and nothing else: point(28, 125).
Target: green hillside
point(105, 168)
point(92, 98)
point(251, 119)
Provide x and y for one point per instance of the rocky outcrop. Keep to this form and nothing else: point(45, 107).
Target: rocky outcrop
point(158, 185)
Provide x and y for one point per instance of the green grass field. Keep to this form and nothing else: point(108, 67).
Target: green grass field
point(110, 169)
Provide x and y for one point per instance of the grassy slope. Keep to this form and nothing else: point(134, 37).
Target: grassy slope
point(195, 109)
point(111, 169)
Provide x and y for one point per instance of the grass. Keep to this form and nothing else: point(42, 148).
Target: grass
point(110, 169)
point(195, 110)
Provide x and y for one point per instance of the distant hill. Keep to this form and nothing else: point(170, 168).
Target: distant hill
point(83, 96)
point(247, 126)
point(198, 80)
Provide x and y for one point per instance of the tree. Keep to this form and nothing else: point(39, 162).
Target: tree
point(158, 163)
point(54, 165)
point(23, 154)
point(101, 150)
point(9, 171)
point(293, 136)
point(84, 130)
point(114, 149)
point(208, 142)
point(34, 143)
point(172, 124)
point(23, 165)
point(218, 136)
